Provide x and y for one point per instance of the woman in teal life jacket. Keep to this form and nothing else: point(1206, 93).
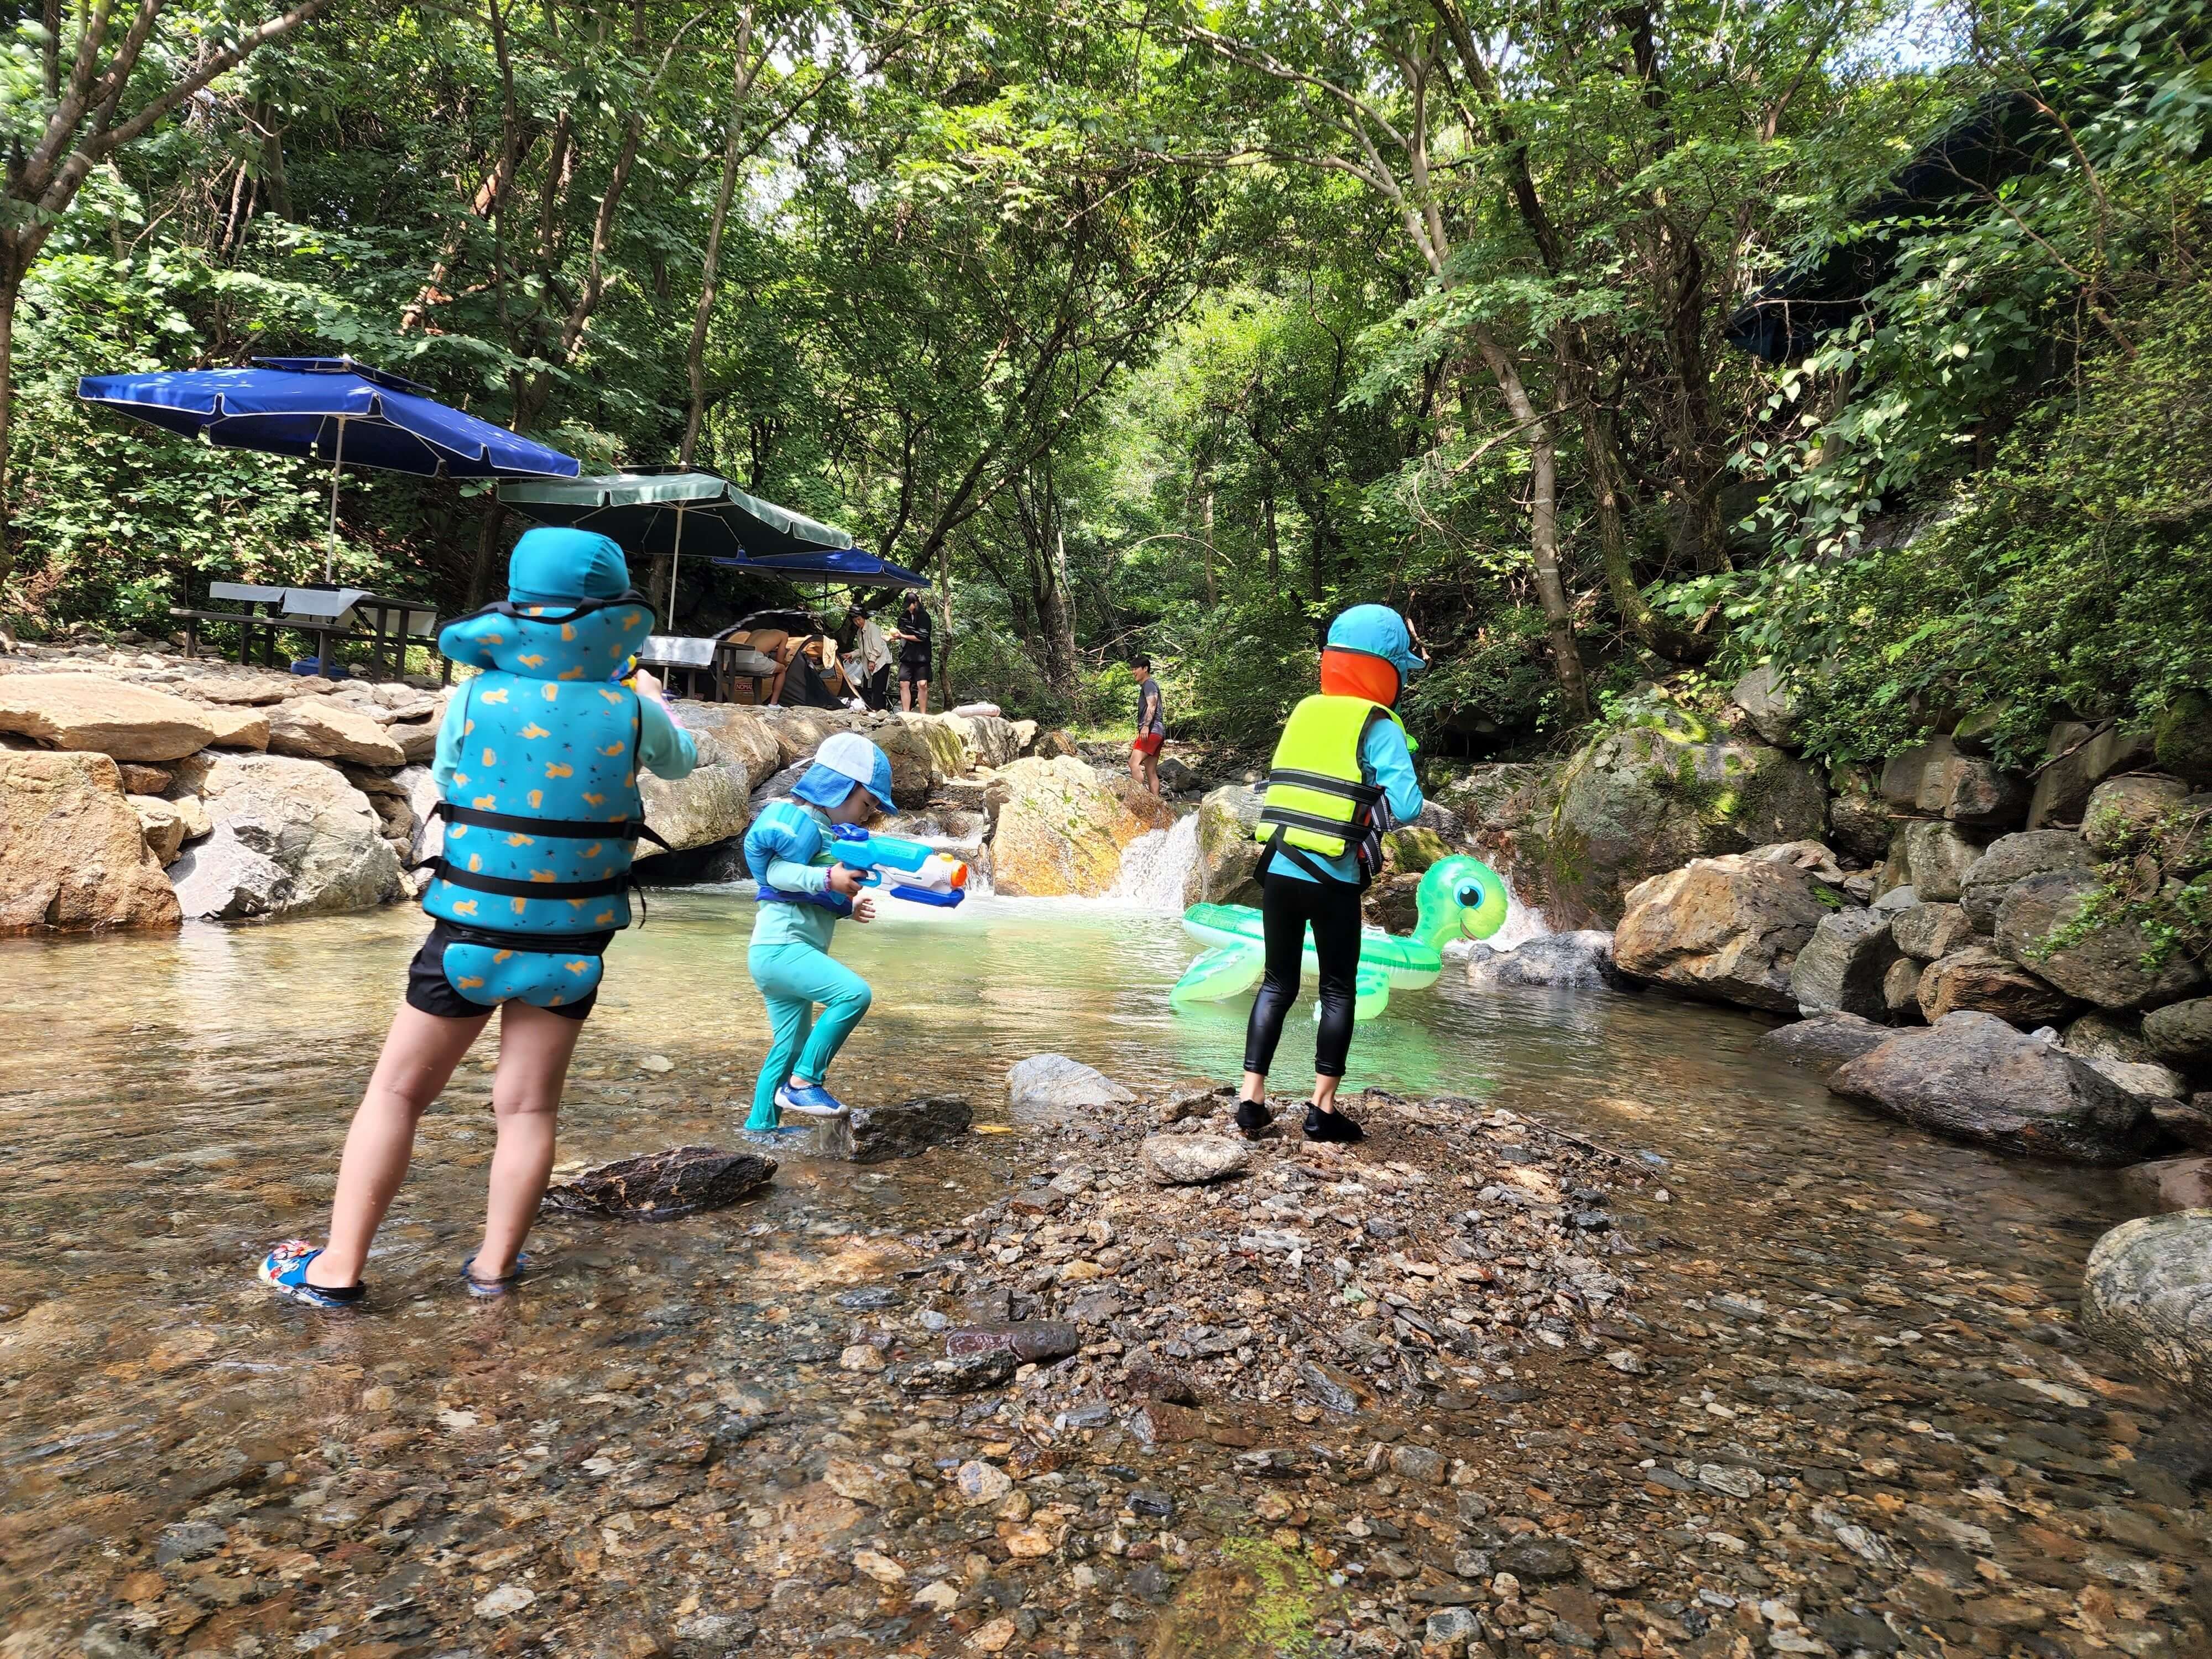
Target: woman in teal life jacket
point(1343, 773)
point(537, 760)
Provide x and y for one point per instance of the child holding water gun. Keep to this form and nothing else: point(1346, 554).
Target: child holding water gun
point(800, 900)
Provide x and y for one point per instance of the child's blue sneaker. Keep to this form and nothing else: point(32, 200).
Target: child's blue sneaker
point(808, 1100)
point(284, 1270)
point(489, 1287)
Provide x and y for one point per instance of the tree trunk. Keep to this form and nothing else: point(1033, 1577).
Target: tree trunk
point(1609, 484)
point(11, 285)
point(1058, 620)
point(695, 356)
point(1543, 523)
point(1212, 598)
point(486, 541)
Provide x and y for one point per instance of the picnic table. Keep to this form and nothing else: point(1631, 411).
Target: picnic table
point(382, 627)
point(709, 662)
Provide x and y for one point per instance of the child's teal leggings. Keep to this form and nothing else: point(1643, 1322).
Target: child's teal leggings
point(794, 978)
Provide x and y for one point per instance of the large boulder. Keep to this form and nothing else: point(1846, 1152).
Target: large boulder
point(923, 750)
point(1841, 968)
point(291, 837)
point(2171, 1183)
point(739, 749)
point(1825, 1042)
point(1227, 870)
point(1917, 780)
point(2040, 926)
point(2099, 1035)
point(2148, 1292)
point(799, 732)
point(906, 1128)
point(323, 728)
point(2182, 740)
point(1973, 1077)
point(987, 740)
point(163, 824)
point(1054, 1081)
point(1728, 928)
point(1861, 824)
point(237, 728)
point(1771, 703)
point(1900, 989)
point(1653, 797)
point(73, 855)
point(1980, 980)
point(2181, 1032)
point(2079, 759)
point(1576, 961)
point(2012, 859)
point(1062, 829)
point(2121, 809)
point(1927, 932)
point(1938, 856)
point(93, 712)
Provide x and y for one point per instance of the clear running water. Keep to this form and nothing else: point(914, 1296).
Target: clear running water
point(174, 1104)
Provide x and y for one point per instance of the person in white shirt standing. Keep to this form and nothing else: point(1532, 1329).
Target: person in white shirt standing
point(875, 654)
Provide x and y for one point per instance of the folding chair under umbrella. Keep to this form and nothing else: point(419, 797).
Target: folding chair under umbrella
point(333, 408)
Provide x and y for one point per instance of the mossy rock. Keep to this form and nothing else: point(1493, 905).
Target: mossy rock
point(1654, 797)
point(1414, 849)
point(2182, 740)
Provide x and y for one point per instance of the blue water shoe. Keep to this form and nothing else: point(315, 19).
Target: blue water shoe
point(489, 1287)
point(284, 1270)
point(808, 1100)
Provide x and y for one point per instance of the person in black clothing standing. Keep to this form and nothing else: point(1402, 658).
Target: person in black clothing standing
point(916, 644)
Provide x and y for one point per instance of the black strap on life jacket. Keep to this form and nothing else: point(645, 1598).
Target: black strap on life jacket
point(1365, 794)
point(590, 944)
point(547, 614)
point(560, 828)
point(1297, 855)
point(448, 871)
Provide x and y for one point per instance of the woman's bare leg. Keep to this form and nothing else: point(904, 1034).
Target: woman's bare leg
point(1324, 1094)
point(1255, 1087)
point(535, 1048)
point(417, 1061)
point(921, 698)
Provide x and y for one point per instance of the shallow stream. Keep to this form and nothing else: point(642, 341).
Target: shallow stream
point(172, 1106)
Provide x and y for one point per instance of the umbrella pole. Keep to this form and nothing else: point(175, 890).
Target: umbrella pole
point(330, 549)
point(675, 565)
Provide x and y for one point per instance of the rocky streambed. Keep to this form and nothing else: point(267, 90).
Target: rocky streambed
point(1485, 1384)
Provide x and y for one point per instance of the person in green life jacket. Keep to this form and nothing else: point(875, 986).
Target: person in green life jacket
point(800, 900)
point(1342, 775)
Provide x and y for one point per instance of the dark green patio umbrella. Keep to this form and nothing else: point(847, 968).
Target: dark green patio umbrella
point(673, 512)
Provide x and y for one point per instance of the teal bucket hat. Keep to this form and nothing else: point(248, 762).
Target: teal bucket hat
point(1377, 631)
point(552, 565)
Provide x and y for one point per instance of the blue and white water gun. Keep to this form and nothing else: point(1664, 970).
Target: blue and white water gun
point(905, 869)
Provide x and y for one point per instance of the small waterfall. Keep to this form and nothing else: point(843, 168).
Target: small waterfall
point(1155, 865)
point(1522, 922)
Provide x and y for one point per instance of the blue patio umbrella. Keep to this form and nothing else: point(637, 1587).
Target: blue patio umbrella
point(855, 566)
point(330, 409)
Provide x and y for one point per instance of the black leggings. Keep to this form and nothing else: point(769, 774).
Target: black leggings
point(1288, 905)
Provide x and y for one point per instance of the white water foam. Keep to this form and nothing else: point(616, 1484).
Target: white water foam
point(1155, 867)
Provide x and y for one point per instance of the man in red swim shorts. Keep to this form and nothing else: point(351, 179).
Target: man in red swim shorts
point(1151, 726)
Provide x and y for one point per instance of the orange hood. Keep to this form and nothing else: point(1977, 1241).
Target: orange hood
point(1356, 674)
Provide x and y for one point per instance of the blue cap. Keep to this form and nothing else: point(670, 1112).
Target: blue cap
point(557, 566)
point(1377, 631)
point(845, 762)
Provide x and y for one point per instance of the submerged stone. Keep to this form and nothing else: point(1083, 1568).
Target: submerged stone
point(661, 1186)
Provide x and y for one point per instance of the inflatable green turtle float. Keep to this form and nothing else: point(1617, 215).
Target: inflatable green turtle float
point(1459, 897)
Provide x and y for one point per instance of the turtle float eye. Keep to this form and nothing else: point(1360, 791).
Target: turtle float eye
point(1470, 894)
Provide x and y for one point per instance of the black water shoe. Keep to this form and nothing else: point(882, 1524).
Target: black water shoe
point(1333, 1126)
point(1253, 1118)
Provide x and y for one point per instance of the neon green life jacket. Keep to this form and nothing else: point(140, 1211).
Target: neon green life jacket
point(1316, 798)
